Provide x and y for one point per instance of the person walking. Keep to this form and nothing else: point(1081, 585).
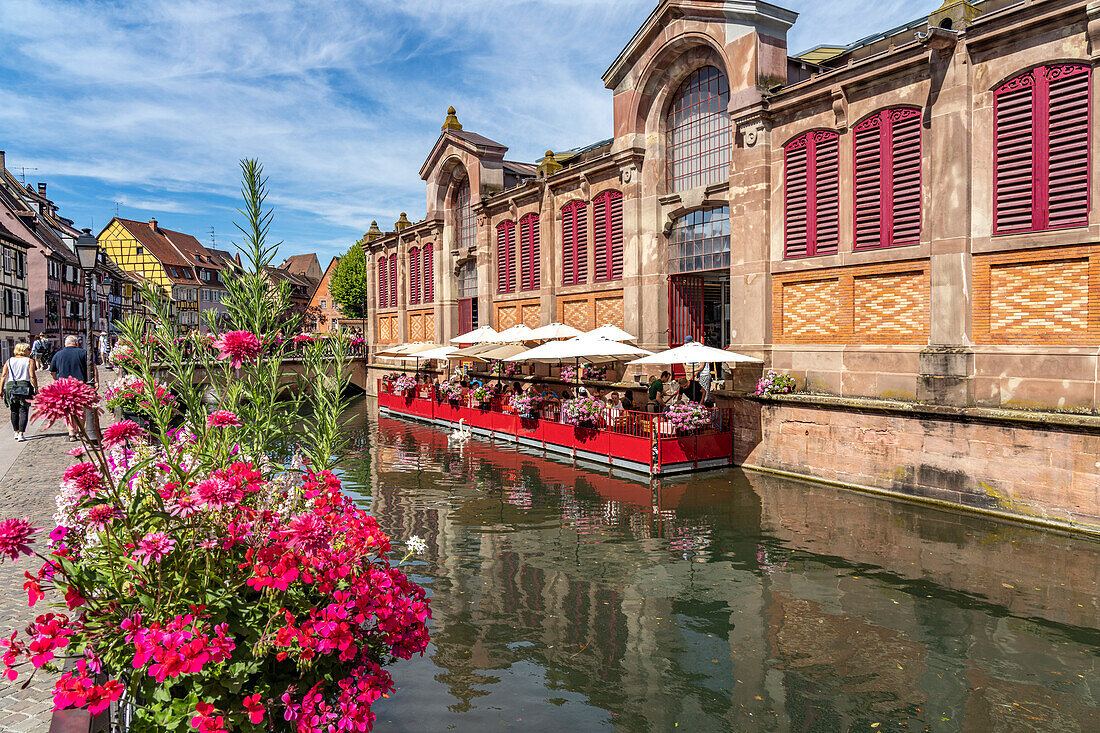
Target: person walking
point(705, 378)
point(71, 361)
point(41, 350)
point(19, 384)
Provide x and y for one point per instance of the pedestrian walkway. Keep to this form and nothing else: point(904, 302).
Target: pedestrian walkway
point(29, 473)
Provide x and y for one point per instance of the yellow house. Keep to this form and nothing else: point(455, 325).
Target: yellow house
point(158, 256)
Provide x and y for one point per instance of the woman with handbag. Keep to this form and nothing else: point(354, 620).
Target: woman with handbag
point(19, 383)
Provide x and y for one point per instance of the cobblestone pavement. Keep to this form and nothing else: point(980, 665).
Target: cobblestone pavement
point(28, 486)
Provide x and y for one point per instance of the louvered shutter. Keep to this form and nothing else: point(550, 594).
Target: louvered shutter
point(1042, 150)
point(887, 179)
point(414, 276)
point(1068, 145)
point(428, 255)
point(383, 296)
point(506, 282)
point(796, 202)
point(607, 224)
point(827, 191)
point(393, 280)
point(574, 242)
point(529, 252)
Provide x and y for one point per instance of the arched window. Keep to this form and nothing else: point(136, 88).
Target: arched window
point(506, 270)
point(383, 281)
point(1041, 154)
point(811, 200)
point(414, 276)
point(464, 217)
point(888, 181)
point(697, 132)
point(607, 235)
point(574, 243)
point(392, 288)
point(530, 262)
point(427, 254)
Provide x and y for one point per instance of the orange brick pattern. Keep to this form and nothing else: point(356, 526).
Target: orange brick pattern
point(590, 310)
point(891, 305)
point(609, 310)
point(387, 329)
point(532, 315)
point(872, 304)
point(577, 314)
point(1045, 296)
point(514, 312)
point(507, 316)
point(422, 326)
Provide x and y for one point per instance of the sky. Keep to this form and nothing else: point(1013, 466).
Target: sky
point(148, 106)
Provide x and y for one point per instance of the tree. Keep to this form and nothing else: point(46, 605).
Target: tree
point(350, 285)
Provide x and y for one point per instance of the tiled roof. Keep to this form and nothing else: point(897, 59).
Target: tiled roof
point(473, 137)
point(298, 264)
point(522, 169)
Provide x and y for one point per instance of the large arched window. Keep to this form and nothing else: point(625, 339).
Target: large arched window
point(529, 263)
point(1041, 154)
point(697, 132)
point(887, 173)
point(607, 235)
point(506, 271)
point(414, 276)
point(811, 194)
point(574, 243)
point(427, 255)
point(464, 217)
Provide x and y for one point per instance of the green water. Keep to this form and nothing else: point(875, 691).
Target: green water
point(567, 599)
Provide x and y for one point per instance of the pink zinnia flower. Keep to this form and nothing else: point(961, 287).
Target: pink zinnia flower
point(217, 492)
point(98, 516)
point(121, 433)
point(83, 478)
point(64, 399)
point(183, 506)
point(223, 419)
point(15, 537)
point(308, 533)
point(154, 547)
point(78, 451)
point(238, 347)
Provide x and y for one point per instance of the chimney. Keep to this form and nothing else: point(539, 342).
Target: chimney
point(1, 160)
point(153, 224)
point(41, 189)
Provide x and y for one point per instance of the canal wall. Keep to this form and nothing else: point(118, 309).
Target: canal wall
point(1036, 467)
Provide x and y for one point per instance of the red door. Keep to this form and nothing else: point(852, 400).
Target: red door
point(685, 309)
point(467, 315)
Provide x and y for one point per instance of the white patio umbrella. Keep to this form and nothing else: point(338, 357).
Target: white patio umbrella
point(513, 335)
point(554, 331)
point(609, 331)
point(440, 352)
point(477, 336)
point(580, 348)
point(694, 352)
point(487, 352)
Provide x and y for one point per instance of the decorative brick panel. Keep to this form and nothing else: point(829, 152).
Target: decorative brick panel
point(871, 304)
point(532, 315)
point(587, 311)
point(1048, 296)
point(891, 306)
point(609, 310)
point(578, 314)
point(507, 316)
point(387, 329)
point(422, 325)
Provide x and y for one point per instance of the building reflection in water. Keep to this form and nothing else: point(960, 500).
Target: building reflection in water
point(725, 601)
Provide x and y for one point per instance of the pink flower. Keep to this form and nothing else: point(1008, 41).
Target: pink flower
point(121, 433)
point(255, 709)
point(99, 516)
point(307, 532)
point(15, 537)
point(216, 492)
point(155, 546)
point(78, 451)
point(83, 478)
point(223, 419)
point(64, 399)
point(238, 347)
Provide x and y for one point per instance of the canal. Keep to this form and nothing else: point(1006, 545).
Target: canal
point(568, 599)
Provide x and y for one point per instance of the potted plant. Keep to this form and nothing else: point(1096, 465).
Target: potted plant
point(687, 416)
point(583, 412)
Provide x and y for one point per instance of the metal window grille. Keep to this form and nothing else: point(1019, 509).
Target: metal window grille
point(1041, 152)
point(700, 241)
point(530, 259)
point(467, 279)
point(887, 161)
point(697, 132)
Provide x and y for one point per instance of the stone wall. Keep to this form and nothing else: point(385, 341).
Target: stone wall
point(1000, 461)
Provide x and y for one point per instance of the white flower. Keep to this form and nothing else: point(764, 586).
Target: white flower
point(416, 545)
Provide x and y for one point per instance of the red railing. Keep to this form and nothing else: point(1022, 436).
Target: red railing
point(638, 440)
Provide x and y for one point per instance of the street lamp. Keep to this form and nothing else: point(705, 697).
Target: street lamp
point(87, 252)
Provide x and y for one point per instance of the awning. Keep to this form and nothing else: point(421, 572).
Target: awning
point(477, 336)
point(694, 352)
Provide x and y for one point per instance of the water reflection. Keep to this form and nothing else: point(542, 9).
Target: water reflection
point(570, 599)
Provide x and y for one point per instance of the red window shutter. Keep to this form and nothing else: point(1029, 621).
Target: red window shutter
point(811, 194)
point(383, 297)
point(888, 180)
point(530, 260)
point(393, 280)
point(1042, 149)
point(607, 222)
point(414, 276)
point(467, 316)
point(506, 282)
point(574, 243)
point(427, 254)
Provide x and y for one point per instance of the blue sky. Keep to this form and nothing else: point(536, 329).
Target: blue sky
point(151, 103)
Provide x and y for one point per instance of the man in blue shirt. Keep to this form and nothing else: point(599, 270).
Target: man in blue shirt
point(71, 361)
